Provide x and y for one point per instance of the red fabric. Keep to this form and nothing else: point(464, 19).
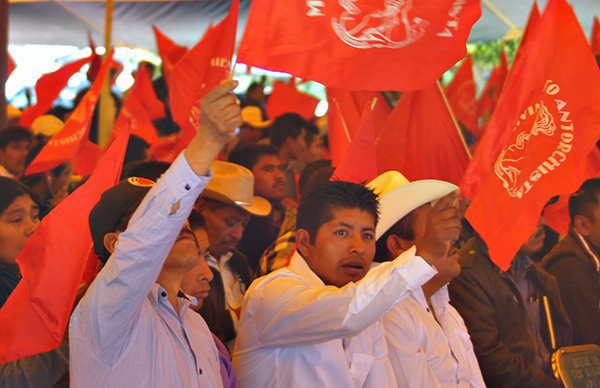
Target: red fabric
point(595, 40)
point(286, 99)
point(164, 149)
point(47, 89)
point(88, 157)
point(462, 97)
point(359, 44)
point(65, 145)
point(557, 215)
point(534, 18)
point(11, 65)
point(199, 71)
point(169, 52)
point(491, 94)
point(545, 127)
point(337, 132)
point(36, 314)
point(352, 103)
point(359, 163)
point(143, 89)
point(420, 139)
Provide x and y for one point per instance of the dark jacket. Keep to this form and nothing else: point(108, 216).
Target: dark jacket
point(494, 312)
point(576, 273)
point(214, 309)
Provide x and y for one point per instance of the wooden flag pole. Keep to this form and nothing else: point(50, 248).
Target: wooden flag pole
point(460, 134)
point(343, 121)
point(107, 118)
point(4, 8)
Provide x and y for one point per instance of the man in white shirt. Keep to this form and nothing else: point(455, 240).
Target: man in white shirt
point(428, 342)
point(134, 326)
point(315, 322)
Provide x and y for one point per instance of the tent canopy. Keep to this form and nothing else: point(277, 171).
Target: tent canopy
point(67, 22)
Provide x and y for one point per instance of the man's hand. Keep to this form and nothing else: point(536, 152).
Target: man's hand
point(221, 115)
point(443, 227)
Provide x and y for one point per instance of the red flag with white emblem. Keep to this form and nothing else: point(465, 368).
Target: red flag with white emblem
point(546, 125)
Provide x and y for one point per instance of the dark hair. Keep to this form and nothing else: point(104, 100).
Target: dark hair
point(248, 155)
point(150, 170)
point(404, 229)
point(309, 170)
point(166, 126)
point(136, 149)
point(33, 179)
point(196, 220)
point(13, 133)
point(10, 190)
point(284, 126)
point(311, 131)
point(316, 208)
point(584, 201)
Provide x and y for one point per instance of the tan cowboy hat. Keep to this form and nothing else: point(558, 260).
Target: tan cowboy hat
point(398, 196)
point(234, 185)
point(252, 116)
point(47, 125)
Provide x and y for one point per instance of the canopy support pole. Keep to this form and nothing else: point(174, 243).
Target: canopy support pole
point(107, 118)
point(4, 7)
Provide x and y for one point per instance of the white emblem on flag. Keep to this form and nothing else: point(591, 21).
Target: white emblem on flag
point(381, 28)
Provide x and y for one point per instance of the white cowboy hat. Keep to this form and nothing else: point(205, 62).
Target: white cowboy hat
point(234, 185)
point(398, 196)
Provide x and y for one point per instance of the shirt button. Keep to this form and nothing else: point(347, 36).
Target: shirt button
point(187, 187)
point(200, 370)
point(164, 294)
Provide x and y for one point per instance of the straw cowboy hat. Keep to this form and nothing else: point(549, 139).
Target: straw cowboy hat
point(252, 116)
point(398, 196)
point(234, 185)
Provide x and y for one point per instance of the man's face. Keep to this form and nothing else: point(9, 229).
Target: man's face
point(196, 281)
point(269, 181)
point(13, 157)
point(535, 243)
point(298, 146)
point(17, 223)
point(344, 247)
point(184, 253)
point(315, 152)
point(225, 227)
point(64, 179)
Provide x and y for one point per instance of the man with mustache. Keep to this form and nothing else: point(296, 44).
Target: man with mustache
point(134, 326)
point(227, 204)
point(505, 314)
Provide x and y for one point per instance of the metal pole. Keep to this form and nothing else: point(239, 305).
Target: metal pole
point(106, 115)
point(3, 59)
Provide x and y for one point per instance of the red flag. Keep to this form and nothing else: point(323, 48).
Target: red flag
point(286, 99)
point(338, 134)
point(65, 144)
point(421, 140)
point(595, 40)
point(557, 215)
point(164, 149)
point(199, 71)
point(462, 97)
point(347, 108)
point(88, 157)
point(351, 103)
point(359, 163)
point(36, 314)
point(546, 125)
point(11, 65)
point(534, 17)
point(169, 52)
point(359, 44)
point(143, 89)
point(47, 89)
point(491, 94)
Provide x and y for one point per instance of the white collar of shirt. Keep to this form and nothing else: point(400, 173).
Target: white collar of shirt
point(4, 172)
point(301, 267)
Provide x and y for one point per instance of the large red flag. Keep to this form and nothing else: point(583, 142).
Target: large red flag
point(286, 99)
point(595, 40)
point(88, 157)
point(36, 314)
point(47, 89)
point(337, 133)
point(359, 163)
point(462, 97)
point(199, 71)
point(421, 140)
point(359, 44)
point(11, 65)
point(65, 144)
point(351, 104)
point(169, 52)
point(549, 121)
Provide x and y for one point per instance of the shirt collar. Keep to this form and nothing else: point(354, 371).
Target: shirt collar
point(588, 249)
point(301, 267)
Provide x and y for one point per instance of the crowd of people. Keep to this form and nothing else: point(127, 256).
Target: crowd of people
point(245, 262)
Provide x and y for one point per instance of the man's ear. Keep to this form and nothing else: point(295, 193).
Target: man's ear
point(200, 205)
point(582, 225)
point(302, 242)
point(396, 245)
point(110, 241)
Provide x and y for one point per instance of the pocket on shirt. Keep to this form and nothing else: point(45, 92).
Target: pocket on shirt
point(360, 368)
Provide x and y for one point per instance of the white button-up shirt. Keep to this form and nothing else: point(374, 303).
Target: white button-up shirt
point(425, 353)
point(125, 332)
point(297, 332)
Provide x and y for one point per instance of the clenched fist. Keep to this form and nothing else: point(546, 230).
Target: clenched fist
point(221, 114)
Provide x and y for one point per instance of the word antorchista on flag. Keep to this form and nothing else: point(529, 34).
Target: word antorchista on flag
point(546, 123)
point(359, 44)
point(36, 314)
point(65, 144)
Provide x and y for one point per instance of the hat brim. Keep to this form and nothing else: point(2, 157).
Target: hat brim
point(258, 124)
point(394, 205)
point(259, 207)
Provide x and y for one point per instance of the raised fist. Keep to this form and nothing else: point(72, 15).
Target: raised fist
point(221, 114)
